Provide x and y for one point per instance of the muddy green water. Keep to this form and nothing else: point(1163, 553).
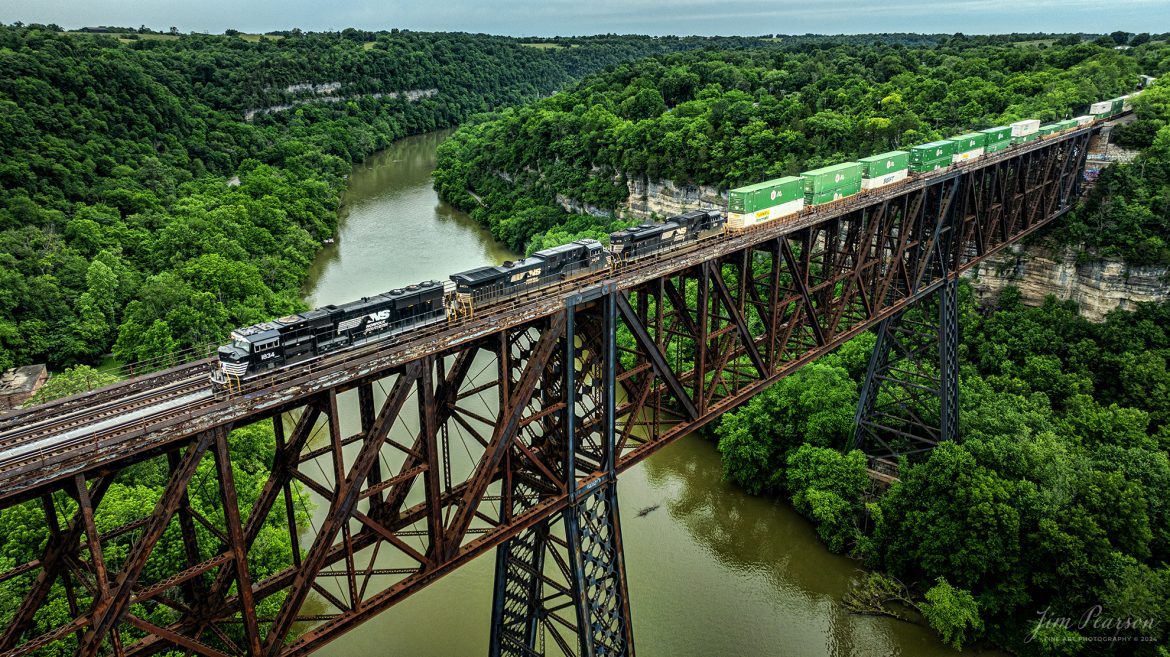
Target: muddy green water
point(712, 571)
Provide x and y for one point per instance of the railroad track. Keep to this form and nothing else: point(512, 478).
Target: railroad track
point(123, 405)
point(91, 419)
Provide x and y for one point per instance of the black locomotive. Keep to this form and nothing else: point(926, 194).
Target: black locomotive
point(482, 286)
point(638, 241)
point(299, 337)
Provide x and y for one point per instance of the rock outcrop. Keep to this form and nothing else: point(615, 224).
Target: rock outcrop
point(1097, 286)
point(663, 198)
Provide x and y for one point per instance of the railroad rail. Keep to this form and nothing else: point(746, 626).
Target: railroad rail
point(552, 395)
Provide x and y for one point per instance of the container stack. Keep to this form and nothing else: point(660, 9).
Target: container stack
point(932, 156)
point(831, 183)
point(884, 169)
point(1025, 131)
point(968, 146)
point(748, 206)
point(997, 139)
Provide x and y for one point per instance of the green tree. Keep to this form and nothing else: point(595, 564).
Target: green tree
point(815, 405)
point(72, 381)
point(827, 487)
point(953, 613)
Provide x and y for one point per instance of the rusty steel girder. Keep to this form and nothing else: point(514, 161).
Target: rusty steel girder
point(394, 464)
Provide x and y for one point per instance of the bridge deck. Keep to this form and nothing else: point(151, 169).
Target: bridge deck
point(42, 445)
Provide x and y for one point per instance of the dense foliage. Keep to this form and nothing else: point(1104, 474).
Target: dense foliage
point(727, 118)
point(141, 211)
point(1053, 501)
point(1128, 215)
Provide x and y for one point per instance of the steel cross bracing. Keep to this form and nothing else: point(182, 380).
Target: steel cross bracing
point(394, 464)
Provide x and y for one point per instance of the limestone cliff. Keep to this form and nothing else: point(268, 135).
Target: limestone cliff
point(665, 198)
point(1097, 286)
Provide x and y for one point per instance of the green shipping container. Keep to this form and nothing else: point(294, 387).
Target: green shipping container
point(830, 195)
point(1026, 138)
point(931, 165)
point(1002, 133)
point(1118, 105)
point(996, 146)
point(838, 175)
point(969, 141)
point(753, 198)
point(1049, 129)
point(877, 166)
point(935, 150)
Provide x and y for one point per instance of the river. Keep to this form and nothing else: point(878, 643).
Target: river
point(712, 571)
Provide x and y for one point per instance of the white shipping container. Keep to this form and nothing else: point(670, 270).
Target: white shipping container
point(882, 181)
point(967, 155)
point(1083, 120)
point(1102, 107)
point(739, 221)
point(1025, 128)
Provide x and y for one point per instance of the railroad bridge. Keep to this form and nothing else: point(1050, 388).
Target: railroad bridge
point(506, 431)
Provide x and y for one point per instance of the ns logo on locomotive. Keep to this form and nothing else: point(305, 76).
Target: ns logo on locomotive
point(298, 338)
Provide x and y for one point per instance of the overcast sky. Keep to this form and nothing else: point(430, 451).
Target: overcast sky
point(571, 17)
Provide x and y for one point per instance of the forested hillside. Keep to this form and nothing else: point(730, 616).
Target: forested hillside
point(730, 118)
point(140, 211)
point(1053, 503)
point(1128, 215)
point(1054, 498)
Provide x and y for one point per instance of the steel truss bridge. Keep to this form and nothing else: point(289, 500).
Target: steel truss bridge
point(503, 432)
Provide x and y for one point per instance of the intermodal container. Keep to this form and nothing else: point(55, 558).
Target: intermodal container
point(877, 166)
point(741, 220)
point(826, 178)
point(997, 146)
point(882, 181)
point(1046, 130)
point(1117, 106)
point(761, 196)
point(1025, 128)
point(1083, 120)
point(967, 155)
point(1001, 133)
point(1025, 138)
point(935, 150)
point(835, 194)
point(969, 141)
point(1101, 107)
point(931, 165)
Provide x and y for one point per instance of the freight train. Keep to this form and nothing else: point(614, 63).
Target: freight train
point(298, 338)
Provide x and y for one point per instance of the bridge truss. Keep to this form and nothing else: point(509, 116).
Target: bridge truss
point(397, 465)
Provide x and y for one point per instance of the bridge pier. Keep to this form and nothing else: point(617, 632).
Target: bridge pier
point(563, 580)
point(910, 399)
